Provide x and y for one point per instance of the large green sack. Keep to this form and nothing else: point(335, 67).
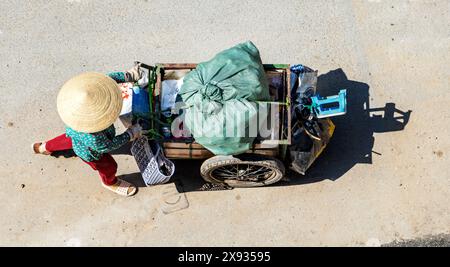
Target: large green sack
point(219, 93)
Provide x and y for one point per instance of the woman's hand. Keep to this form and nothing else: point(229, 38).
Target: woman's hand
point(135, 131)
point(134, 74)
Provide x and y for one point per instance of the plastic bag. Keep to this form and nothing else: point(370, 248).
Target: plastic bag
point(169, 94)
point(222, 94)
point(126, 115)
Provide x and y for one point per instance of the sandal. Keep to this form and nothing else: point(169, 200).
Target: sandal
point(39, 148)
point(122, 188)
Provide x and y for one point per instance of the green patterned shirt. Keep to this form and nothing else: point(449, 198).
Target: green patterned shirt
point(91, 146)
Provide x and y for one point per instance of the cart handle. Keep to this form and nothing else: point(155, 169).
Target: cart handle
point(144, 65)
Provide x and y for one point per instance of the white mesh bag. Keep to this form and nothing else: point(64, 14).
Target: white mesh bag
point(154, 166)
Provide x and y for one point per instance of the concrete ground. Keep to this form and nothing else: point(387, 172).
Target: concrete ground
point(384, 177)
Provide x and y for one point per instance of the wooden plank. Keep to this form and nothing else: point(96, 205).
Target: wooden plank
point(195, 145)
point(289, 101)
point(194, 65)
point(182, 145)
point(276, 66)
point(175, 74)
point(270, 153)
point(178, 65)
point(186, 157)
point(187, 153)
point(157, 85)
point(205, 154)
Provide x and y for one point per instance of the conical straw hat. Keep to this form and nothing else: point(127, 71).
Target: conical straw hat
point(89, 102)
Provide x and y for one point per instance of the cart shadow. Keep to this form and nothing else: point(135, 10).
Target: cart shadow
point(351, 144)
point(186, 177)
point(353, 139)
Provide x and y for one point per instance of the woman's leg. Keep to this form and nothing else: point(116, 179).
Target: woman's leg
point(106, 167)
point(61, 142)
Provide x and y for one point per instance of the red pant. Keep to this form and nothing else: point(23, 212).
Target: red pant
point(106, 165)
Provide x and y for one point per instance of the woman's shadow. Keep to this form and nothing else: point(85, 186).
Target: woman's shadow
point(353, 138)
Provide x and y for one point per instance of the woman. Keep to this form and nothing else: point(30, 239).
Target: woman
point(89, 104)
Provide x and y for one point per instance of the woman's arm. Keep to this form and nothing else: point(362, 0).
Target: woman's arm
point(117, 76)
point(132, 75)
point(100, 142)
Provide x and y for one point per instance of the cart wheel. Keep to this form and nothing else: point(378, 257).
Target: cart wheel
point(245, 171)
